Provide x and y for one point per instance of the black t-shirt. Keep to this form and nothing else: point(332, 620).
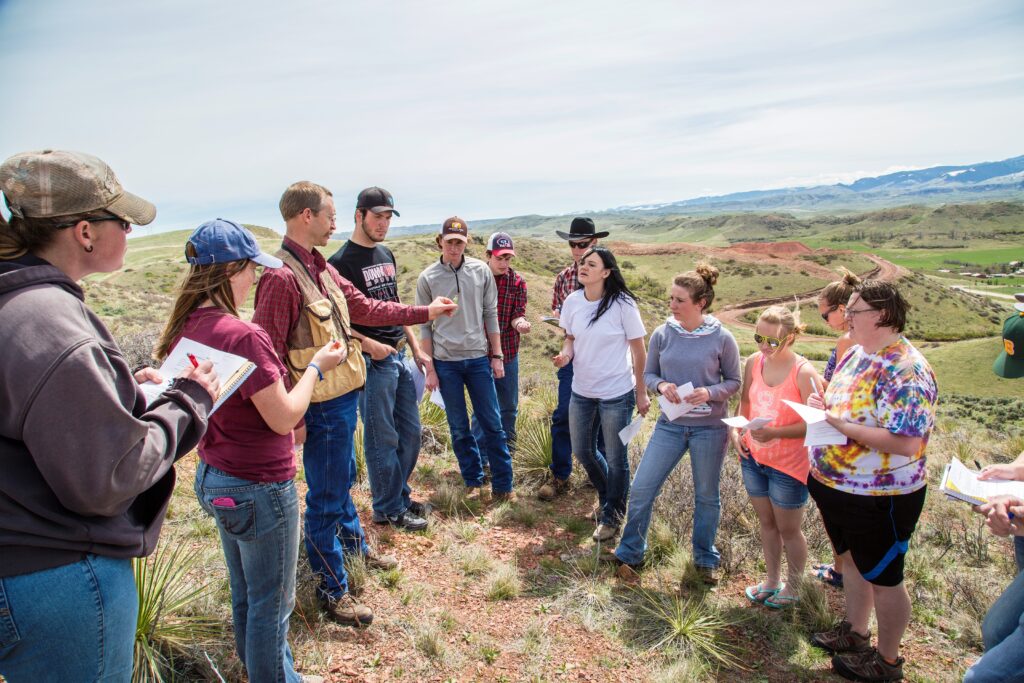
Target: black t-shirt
point(374, 273)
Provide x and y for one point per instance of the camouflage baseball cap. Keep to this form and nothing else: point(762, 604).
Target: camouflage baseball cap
point(52, 183)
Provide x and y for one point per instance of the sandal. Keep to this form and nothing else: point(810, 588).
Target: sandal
point(827, 574)
point(755, 593)
point(781, 601)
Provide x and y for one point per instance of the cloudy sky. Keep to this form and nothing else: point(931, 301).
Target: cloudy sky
point(488, 110)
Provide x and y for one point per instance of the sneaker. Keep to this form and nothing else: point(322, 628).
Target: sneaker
point(505, 497)
point(374, 560)
point(407, 520)
point(628, 574)
point(605, 532)
point(420, 509)
point(346, 611)
point(308, 678)
point(842, 639)
point(553, 488)
point(867, 666)
point(708, 575)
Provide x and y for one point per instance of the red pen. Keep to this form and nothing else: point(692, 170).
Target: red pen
point(195, 363)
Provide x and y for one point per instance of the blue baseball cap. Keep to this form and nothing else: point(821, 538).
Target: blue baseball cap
point(221, 241)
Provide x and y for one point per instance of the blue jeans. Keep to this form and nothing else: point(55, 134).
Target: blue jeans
point(1018, 552)
point(391, 433)
point(332, 523)
point(609, 473)
point(474, 375)
point(69, 623)
point(764, 481)
point(507, 389)
point(1003, 633)
point(669, 442)
point(259, 532)
point(561, 439)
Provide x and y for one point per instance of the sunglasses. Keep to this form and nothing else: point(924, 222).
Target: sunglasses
point(826, 314)
point(771, 341)
point(123, 224)
point(850, 312)
point(581, 245)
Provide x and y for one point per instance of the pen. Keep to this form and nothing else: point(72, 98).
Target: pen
point(977, 464)
point(814, 383)
point(195, 363)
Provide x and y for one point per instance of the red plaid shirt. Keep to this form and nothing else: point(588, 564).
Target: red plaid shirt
point(511, 305)
point(279, 301)
point(567, 282)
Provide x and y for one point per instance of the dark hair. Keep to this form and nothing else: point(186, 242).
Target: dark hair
point(883, 296)
point(301, 196)
point(699, 283)
point(839, 292)
point(614, 285)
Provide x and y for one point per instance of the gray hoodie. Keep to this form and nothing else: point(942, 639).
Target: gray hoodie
point(472, 286)
point(85, 465)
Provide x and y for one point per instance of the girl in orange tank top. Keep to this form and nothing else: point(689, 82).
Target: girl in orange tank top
point(773, 458)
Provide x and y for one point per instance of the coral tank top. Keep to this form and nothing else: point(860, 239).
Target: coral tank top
point(786, 455)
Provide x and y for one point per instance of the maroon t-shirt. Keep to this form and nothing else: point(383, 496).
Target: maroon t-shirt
point(238, 440)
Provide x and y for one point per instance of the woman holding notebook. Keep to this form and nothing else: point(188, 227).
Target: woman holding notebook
point(247, 462)
point(870, 491)
point(773, 458)
point(692, 349)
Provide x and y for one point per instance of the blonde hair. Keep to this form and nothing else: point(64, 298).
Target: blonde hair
point(839, 292)
point(211, 282)
point(699, 283)
point(301, 196)
point(787, 318)
point(23, 235)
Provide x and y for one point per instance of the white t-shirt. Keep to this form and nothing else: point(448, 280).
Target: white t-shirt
point(601, 364)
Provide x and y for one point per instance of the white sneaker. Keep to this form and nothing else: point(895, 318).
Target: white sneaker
point(605, 532)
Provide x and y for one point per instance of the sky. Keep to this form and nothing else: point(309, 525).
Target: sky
point(488, 110)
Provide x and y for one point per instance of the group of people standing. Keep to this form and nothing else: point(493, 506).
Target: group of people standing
point(328, 340)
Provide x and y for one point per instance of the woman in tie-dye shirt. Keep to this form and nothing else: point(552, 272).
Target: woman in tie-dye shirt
point(870, 491)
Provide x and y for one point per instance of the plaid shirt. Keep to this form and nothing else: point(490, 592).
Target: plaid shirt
point(279, 301)
point(567, 282)
point(511, 305)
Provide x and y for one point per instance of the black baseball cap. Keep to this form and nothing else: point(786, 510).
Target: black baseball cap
point(377, 200)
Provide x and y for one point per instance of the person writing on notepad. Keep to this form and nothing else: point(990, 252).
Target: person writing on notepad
point(870, 491)
point(691, 348)
point(247, 458)
point(773, 458)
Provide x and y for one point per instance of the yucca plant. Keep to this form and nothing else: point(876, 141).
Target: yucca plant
point(434, 424)
point(166, 626)
point(532, 457)
point(359, 443)
point(691, 627)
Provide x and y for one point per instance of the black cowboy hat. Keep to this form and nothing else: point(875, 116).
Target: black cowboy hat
point(581, 229)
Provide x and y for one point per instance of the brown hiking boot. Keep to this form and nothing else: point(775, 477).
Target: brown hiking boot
point(867, 666)
point(842, 639)
point(628, 574)
point(506, 497)
point(553, 488)
point(480, 493)
point(375, 560)
point(708, 575)
point(346, 611)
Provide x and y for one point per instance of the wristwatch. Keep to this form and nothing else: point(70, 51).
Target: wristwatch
point(498, 356)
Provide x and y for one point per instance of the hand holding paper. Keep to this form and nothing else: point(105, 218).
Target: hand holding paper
point(819, 432)
point(674, 410)
point(435, 398)
point(741, 422)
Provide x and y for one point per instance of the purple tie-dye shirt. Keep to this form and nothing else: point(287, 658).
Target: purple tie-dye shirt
point(894, 389)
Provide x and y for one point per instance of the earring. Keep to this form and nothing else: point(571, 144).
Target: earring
point(88, 249)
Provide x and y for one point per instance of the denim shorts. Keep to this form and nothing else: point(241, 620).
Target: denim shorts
point(762, 481)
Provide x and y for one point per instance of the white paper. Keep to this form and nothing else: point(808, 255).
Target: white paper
point(419, 380)
point(225, 364)
point(435, 398)
point(629, 432)
point(674, 410)
point(962, 483)
point(819, 432)
point(743, 423)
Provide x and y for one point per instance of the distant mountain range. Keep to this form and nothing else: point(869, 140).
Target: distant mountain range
point(986, 181)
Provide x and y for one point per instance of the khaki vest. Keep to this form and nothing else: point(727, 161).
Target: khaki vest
point(326, 318)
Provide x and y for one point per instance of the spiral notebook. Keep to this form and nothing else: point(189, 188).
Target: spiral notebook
point(960, 483)
point(231, 369)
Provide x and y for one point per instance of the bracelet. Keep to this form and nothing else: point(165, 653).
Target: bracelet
point(316, 367)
